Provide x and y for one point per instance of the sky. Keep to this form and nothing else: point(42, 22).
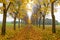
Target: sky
point(57, 15)
point(8, 19)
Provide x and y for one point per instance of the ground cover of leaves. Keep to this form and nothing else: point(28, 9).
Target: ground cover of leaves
point(32, 33)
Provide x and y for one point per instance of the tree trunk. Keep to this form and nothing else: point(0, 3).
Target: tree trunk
point(19, 24)
point(39, 21)
point(35, 21)
point(15, 22)
point(4, 20)
point(53, 18)
point(43, 21)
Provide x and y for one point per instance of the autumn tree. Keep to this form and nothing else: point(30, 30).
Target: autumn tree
point(53, 16)
point(5, 9)
point(45, 8)
point(13, 12)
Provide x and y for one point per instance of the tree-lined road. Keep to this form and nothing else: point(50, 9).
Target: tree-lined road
point(28, 33)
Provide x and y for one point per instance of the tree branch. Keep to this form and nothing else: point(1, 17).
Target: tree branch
point(8, 6)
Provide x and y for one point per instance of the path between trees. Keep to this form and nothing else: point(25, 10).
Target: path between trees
point(28, 33)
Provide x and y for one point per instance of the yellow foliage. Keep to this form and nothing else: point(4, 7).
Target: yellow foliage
point(23, 6)
point(0, 12)
point(0, 0)
point(24, 1)
point(21, 0)
point(45, 1)
point(3, 1)
point(35, 1)
point(21, 14)
point(11, 0)
point(34, 15)
point(2, 8)
point(21, 17)
point(58, 2)
point(41, 3)
point(52, 1)
point(42, 9)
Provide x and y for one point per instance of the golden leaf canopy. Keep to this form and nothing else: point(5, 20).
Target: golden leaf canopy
point(52, 1)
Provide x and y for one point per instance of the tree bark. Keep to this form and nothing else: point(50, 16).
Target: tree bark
point(15, 22)
point(43, 21)
point(4, 20)
point(35, 21)
point(40, 21)
point(19, 24)
point(53, 18)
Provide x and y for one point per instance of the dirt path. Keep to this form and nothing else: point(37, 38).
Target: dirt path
point(28, 33)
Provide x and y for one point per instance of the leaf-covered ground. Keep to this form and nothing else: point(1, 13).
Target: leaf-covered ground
point(32, 33)
point(28, 33)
